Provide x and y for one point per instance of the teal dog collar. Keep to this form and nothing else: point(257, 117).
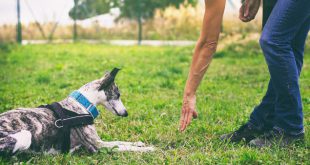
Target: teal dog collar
point(85, 103)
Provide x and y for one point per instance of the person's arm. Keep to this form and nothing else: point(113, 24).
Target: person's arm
point(204, 50)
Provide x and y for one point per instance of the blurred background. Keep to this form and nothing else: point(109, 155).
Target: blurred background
point(115, 21)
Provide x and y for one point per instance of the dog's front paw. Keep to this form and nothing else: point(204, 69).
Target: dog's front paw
point(135, 148)
point(139, 144)
point(92, 149)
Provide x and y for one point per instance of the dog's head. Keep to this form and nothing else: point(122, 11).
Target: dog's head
point(105, 92)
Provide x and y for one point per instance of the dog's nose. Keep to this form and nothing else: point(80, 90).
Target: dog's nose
point(125, 114)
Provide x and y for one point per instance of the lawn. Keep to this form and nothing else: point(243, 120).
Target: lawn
point(151, 82)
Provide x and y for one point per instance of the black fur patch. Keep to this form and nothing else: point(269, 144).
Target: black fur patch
point(109, 79)
point(112, 92)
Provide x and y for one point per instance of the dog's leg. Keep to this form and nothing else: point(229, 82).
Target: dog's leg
point(86, 137)
point(116, 143)
point(127, 146)
point(92, 142)
point(12, 143)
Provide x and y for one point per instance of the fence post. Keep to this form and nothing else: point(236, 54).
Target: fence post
point(19, 25)
point(139, 23)
point(74, 19)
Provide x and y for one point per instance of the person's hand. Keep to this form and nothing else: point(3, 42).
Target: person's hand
point(248, 10)
point(188, 111)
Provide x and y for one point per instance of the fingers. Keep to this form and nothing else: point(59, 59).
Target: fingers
point(184, 123)
point(182, 119)
point(250, 17)
point(241, 12)
point(244, 11)
point(188, 112)
point(247, 9)
point(242, 15)
point(195, 114)
point(187, 118)
point(184, 115)
point(247, 19)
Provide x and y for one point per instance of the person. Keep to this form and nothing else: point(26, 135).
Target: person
point(278, 119)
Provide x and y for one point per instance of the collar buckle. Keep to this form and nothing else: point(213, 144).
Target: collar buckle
point(59, 123)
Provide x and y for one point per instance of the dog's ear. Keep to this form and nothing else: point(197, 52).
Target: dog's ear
point(109, 79)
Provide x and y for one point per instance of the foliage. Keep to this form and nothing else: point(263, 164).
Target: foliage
point(90, 8)
point(131, 9)
point(151, 82)
point(146, 8)
point(183, 23)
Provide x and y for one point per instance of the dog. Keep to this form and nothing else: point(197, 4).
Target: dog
point(39, 129)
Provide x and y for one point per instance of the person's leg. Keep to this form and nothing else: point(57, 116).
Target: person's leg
point(263, 114)
point(283, 26)
point(283, 43)
point(298, 44)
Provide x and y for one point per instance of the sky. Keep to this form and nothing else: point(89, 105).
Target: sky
point(43, 11)
point(51, 10)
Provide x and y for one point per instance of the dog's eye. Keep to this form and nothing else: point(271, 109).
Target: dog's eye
point(118, 95)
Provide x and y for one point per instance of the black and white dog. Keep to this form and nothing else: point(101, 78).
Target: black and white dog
point(41, 129)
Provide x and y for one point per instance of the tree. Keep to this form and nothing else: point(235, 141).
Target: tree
point(138, 10)
point(90, 8)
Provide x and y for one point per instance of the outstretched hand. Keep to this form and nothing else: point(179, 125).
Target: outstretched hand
point(188, 111)
point(248, 10)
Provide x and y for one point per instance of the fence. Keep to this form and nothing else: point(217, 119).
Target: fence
point(183, 23)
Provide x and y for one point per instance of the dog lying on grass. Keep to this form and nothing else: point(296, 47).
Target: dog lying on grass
point(67, 125)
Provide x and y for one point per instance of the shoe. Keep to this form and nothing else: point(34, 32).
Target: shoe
point(246, 132)
point(276, 136)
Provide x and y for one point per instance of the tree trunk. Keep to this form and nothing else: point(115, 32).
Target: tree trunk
point(139, 19)
point(139, 30)
point(19, 25)
point(74, 18)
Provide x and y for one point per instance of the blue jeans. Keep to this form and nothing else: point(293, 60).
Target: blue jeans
point(283, 41)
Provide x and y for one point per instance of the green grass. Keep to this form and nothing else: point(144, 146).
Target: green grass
point(151, 82)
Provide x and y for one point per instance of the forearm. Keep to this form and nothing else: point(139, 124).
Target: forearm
point(201, 60)
point(206, 45)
